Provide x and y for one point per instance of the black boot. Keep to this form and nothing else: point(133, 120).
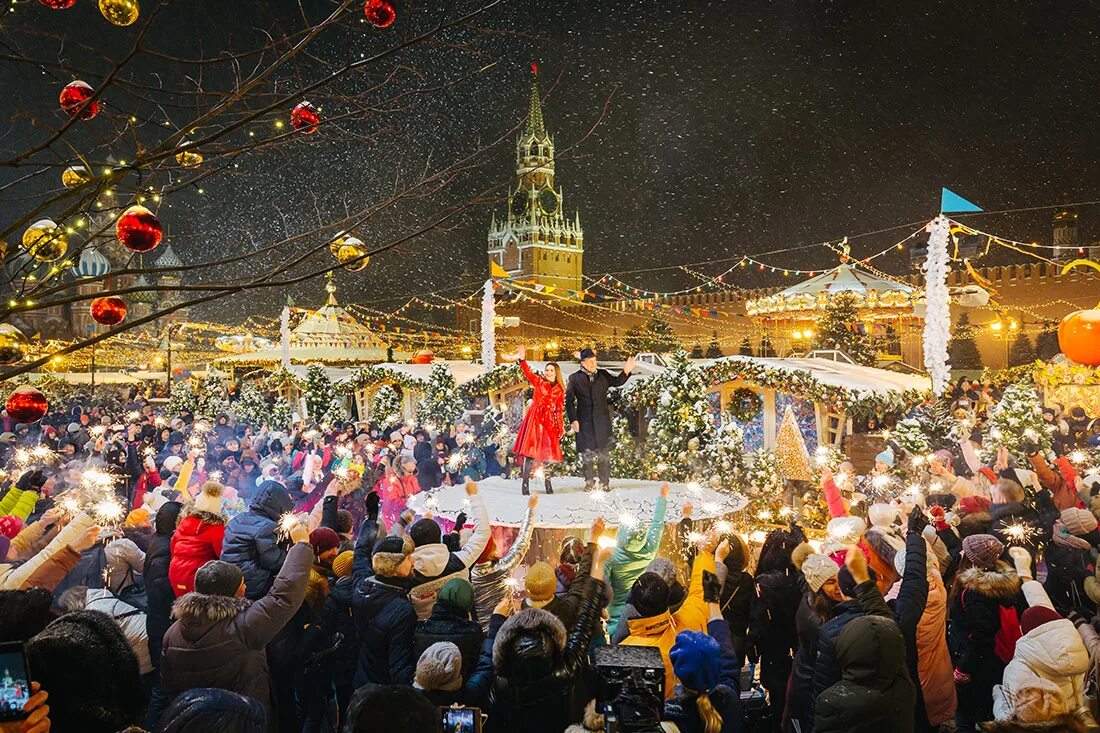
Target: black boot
point(549, 486)
point(525, 489)
point(525, 472)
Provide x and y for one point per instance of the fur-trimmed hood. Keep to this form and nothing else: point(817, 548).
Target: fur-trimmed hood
point(533, 632)
point(1001, 584)
point(204, 517)
point(197, 612)
point(1077, 722)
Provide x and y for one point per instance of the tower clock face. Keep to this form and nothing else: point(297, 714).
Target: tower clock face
point(519, 203)
point(549, 201)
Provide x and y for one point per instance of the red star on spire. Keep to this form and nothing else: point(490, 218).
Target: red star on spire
point(534, 68)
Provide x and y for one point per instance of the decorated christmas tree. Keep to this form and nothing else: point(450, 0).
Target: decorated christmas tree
point(724, 456)
point(625, 459)
point(251, 407)
point(763, 486)
point(182, 399)
point(790, 449)
point(839, 329)
point(1046, 345)
point(281, 414)
point(1016, 423)
point(962, 351)
point(930, 428)
point(697, 351)
point(745, 349)
point(441, 405)
point(681, 424)
point(714, 348)
point(1022, 351)
point(657, 335)
point(320, 395)
point(385, 406)
point(210, 396)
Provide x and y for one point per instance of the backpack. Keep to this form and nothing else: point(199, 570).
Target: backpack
point(1008, 633)
point(88, 572)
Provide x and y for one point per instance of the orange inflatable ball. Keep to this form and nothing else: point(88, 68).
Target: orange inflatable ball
point(424, 356)
point(1079, 337)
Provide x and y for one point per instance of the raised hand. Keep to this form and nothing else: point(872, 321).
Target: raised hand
point(665, 489)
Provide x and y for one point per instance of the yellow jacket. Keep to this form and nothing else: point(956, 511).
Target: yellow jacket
point(660, 631)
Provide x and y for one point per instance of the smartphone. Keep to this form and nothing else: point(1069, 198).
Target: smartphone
point(15, 682)
point(460, 720)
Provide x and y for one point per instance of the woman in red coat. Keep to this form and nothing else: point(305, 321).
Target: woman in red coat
point(539, 437)
point(197, 539)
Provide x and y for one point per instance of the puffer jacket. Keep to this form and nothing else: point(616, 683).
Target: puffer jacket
point(635, 549)
point(158, 588)
point(1046, 676)
point(771, 630)
point(336, 618)
point(434, 564)
point(660, 631)
point(18, 502)
point(219, 641)
point(251, 539)
point(448, 623)
point(539, 669)
point(386, 623)
point(197, 541)
point(867, 602)
point(933, 657)
point(41, 569)
point(875, 692)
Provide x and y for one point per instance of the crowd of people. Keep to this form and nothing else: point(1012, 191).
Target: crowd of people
point(265, 580)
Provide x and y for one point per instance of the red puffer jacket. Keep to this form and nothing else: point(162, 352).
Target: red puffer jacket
point(197, 540)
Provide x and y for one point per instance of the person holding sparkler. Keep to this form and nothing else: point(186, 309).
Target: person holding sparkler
point(538, 440)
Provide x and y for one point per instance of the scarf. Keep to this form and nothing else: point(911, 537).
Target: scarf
point(1063, 537)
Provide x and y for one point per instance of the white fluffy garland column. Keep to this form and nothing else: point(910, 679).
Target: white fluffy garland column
point(488, 327)
point(284, 337)
point(937, 318)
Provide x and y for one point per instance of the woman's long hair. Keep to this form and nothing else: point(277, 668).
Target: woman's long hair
point(712, 719)
point(821, 605)
point(557, 374)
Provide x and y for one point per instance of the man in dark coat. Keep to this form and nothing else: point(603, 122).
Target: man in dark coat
point(251, 541)
point(155, 574)
point(450, 621)
point(384, 616)
point(219, 637)
point(588, 411)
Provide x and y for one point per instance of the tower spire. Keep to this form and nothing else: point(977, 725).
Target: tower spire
point(535, 125)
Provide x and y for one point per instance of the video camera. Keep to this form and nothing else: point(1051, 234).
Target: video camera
point(631, 693)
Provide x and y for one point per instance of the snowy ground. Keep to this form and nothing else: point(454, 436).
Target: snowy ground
point(569, 507)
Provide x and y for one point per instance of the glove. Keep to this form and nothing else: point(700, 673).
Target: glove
point(712, 587)
point(917, 520)
point(373, 502)
point(939, 518)
point(460, 521)
point(961, 678)
point(1021, 558)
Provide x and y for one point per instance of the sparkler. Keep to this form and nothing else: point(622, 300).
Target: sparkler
point(290, 520)
point(108, 511)
point(723, 526)
point(215, 475)
point(69, 506)
point(628, 520)
point(881, 482)
point(1077, 456)
point(133, 415)
point(1019, 533)
point(785, 511)
point(97, 430)
point(605, 541)
point(764, 515)
point(539, 473)
point(695, 537)
point(758, 537)
point(710, 507)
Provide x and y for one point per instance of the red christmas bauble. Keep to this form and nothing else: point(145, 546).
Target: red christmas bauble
point(74, 95)
point(58, 4)
point(26, 404)
point(139, 229)
point(304, 118)
point(380, 13)
point(1079, 337)
point(109, 311)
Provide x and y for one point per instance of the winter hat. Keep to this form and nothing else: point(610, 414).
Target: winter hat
point(696, 661)
point(31, 480)
point(61, 656)
point(818, 569)
point(323, 539)
point(586, 353)
point(390, 707)
point(982, 550)
point(798, 554)
point(457, 592)
point(172, 463)
point(209, 500)
point(540, 582)
point(1078, 521)
point(882, 515)
point(218, 578)
point(973, 504)
point(945, 457)
point(212, 708)
point(1037, 616)
point(439, 668)
point(663, 567)
point(887, 457)
point(899, 562)
point(389, 553)
point(10, 525)
point(341, 566)
point(138, 518)
point(425, 532)
point(649, 595)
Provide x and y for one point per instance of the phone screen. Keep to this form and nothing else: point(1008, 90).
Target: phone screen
point(15, 682)
point(460, 720)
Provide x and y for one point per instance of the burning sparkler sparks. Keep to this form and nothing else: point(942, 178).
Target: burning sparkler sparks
point(290, 520)
point(605, 541)
point(1019, 533)
point(108, 511)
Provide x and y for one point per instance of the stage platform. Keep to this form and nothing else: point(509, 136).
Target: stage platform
point(570, 507)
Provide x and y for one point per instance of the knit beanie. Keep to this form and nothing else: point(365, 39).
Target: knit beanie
point(973, 504)
point(649, 595)
point(882, 515)
point(341, 566)
point(696, 661)
point(389, 553)
point(172, 463)
point(1078, 521)
point(425, 532)
point(887, 457)
point(209, 499)
point(540, 582)
point(818, 569)
point(138, 518)
point(10, 525)
point(457, 592)
point(323, 539)
point(945, 457)
point(439, 668)
point(982, 550)
point(1037, 616)
point(663, 567)
point(218, 578)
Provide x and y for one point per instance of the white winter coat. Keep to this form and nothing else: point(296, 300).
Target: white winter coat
point(12, 576)
point(130, 619)
point(1046, 676)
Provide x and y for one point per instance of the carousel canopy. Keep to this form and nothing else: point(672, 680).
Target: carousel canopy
point(872, 292)
point(333, 327)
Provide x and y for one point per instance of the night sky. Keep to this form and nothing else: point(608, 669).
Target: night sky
point(730, 128)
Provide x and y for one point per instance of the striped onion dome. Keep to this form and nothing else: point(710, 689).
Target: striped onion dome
point(168, 259)
point(92, 263)
point(143, 296)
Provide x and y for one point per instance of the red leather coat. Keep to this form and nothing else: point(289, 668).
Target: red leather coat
point(539, 436)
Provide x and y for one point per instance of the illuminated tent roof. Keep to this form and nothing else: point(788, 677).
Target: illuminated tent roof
point(871, 292)
point(333, 327)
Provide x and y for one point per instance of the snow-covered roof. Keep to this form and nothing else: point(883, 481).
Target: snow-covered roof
point(306, 355)
point(462, 371)
point(838, 374)
point(870, 290)
point(845, 277)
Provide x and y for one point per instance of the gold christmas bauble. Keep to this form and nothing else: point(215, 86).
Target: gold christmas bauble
point(13, 345)
point(45, 241)
point(188, 157)
point(120, 12)
point(349, 253)
point(75, 175)
point(335, 245)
